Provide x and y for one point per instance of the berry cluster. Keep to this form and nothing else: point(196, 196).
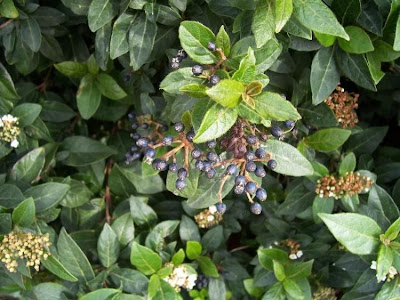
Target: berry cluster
point(202, 281)
point(210, 216)
point(176, 61)
point(181, 278)
point(350, 184)
point(31, 247)
point(344, 104)
point(9, 130)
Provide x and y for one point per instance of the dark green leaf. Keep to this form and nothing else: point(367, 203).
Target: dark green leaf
point(359, 41)
point(106, 293)
point(263, 25)
point(213, 239)
point(54, 266)
point(131, 281)
point(144, 259)
point(328, 139)
point(124, 229)
point(30, 33)
point(28, 168)
point(322, 205)
point(101, 12)
point(88, 97)
point(108, 246)
point(24, 214)
point(47, 195)
point(188, 230)
point(109, 87)
point(370, 17)
point(72, 69)
point(119, 42)
point(141, 213)
point(367, 140)
point(7, 88)
point(346, 10)
point(10, 195)
point(5, 223)
point(207, 266)
point(348, 164)
point(319, 116)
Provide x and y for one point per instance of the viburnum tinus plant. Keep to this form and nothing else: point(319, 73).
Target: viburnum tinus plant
point(208, 150)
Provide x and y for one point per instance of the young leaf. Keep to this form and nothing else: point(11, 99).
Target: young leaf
point(178, 257)
point(266, 256)
point(119, 42)
point(395, 227)
point(72, 68)
point(109, 87)
point(263, 24)
point(30, 33)
point(247, 68)
point(8, 9)
point(145, 260)
point(101, 12)
point(293, 289)
point(279, 270)
point(325, 40)
point(282, 10)
point(328, 139)
point(359, 41)
point(227, 92)
point(88, 97)
point(272, 106)
point(207, 266)
point(24, 214)
point(195, 90)
point(384, 262)
point(348, 164)
point(108, 246)
point(177, 79)
point(358, 233)
point(223, 41)
point(193, 249)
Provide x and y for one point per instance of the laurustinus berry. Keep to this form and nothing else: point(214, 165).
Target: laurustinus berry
point(251, 166)
point(182, 173)
point(159, 164)
point(276, 131)
point(289, 123)
point(182, 54)
point(260, 172)
point(211, 174)
point(135, 136)
point(240, 180)
point(261, 194)
point(256, 208)
point(180, 184)
point(197, 70)
point(190, 135)
point(212, 144)
point(142, 142)
point(272, 164)
point(167, 140)
point(221, 208)
point(150, 153)
point(199, 165)
point(214, 79)
point(252, 139)
point(212, 156)
point(145, 126)
point(239, 189)
point(249, 155)
point(196, 153)
point(206, 166)
point(135, 126)
point(173, 167)
point(251, 187)
point(212, 46)
point(179, 127)
point(231, 170)
point(261, 153)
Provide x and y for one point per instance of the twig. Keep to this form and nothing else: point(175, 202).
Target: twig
point(6, 23)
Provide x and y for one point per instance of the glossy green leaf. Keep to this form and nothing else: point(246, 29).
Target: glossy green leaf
point(223, 41)
point(328, 139)
point(293, 289)
point(282, 11)
point(88, 97)
point(279, 270)
point(263, 25)
point(108, 246)
point(177, 79)
point(72, 69)
point(384, 262)
point(141, 213)
point(30, 33)
point(28, 167)
point(266, 257)
point(348, 164)
point(195, 90)
point(24, 214)
point(144, 259)
point(26, 113)
point(367, 140)
point(178, 257)
point(193, 249)
point(227, 92)
point(124, 229)
point(109, 87)
point(101, 12)
point(7, 88)
point(54, 266)
point(130, 280)
point(272, 106)
point(247, 68)
point(346, 11)
point(47, 195)
point(106, 293)
point(322, 205)
point(207, 266)
point(359, 41)
point(10, 195)
point(119, 42)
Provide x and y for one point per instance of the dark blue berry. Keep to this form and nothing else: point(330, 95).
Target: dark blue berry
point(212, 156)
point(134, 148)
point(175, 64)
point(251, 187)
point(240, 180)
point(272, 164)
point(179, 127)
point(144, 125)
point(212, 144)
point(180, 184)
point(221, 208)
point(182, 173)
point(251, 166)
point(173, 167)
point(289, 123)
point(142, 142)
point(196, 153)
point(212, 46)
point(164, 127)
point(181, 53)
point(251, 139)
point(206, 166)
point(276, 131)
point(239, 189)
point(135, 136)
point(256, 208)
point(249, 155)
point(167, 140)
point(150, 153)
point(199, 165)
point(211, 173)
point(131, 115)
point(135, 126)
point(197, 70)
point(231, 170)
point(159, 164)
point(261, 194)
point(214, 79)
point(261, 153)
point(260, 171)
point(190, 135)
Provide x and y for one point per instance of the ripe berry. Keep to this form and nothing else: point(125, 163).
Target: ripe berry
point(131, 115)
point(142, 142)
point(206, 166)
point(214, 79)
point(272, 164)
point(212, 156)
point(251, 187)
point(196, 153)
point(135, 136)
point(180, 184)
point(212, 144)
point(150, 153)
point(135, 126)
point(289, 123)
point(144, 125)
point(210, 174)
point(221, 208)
point(239, 189)
point(261, 194)
point(249, 155)
point(182, 54)
point(197, 70)
point(251, 166)
point(164, 127)
point(167, 140)
point(251, 139)
point(212, 46)
point(240, 180)
point(190, 135)
point(182, 173)
point(276, 131)
point(179, 127)
point(173, 167)
point(231, 169)
point(160, 164)
point(256, 208)
point(260, 171)
point(199, 165)
point(174, 64)
point(134, 148)
point(261, 153)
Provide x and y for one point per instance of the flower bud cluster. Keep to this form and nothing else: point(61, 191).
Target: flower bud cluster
point(389, 276)
point(181, 278)
point(325, 293)
point(208, 217)
point(9, 130)
point(294, 248)
point(27, 246)
point(352, 183)
point(343, 105)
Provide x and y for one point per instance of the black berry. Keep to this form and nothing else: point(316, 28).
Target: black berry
point(150, 153)
point(260, 171)
point(144, 125)
point(197, 70)
point(135, 136)
point(173, 167)
point(261, 153)
point(231, 170)
point(251, 139)
point(289, 123)
point(250, 166)
point(272, 164)
point(240, 180)
point(182, 54)
point(276, 131)
point(160, 164)
point(251, 187)
point(221, 208)
point(199, 165)
point(256, 208)
point(212, 144)
point(261, 194)
point(135, 126)
point(212, 156)
point(179, 127)
point(182, 173)
point(239, 189)
point(180, 184)
point(167, 140)
point(214, 79)
point(206, 166)
point(142, 142)
point(196, 153)
point(131, 115)
point(249, 155)
point(211, 173)
point(212, 46)
point(190, 135)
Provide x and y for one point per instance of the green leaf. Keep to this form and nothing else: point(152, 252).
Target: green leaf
point(73, 258)
point(124, 229)
point(195, 90)
point(322, 205)
point(389, 290)
point(26, 113)
point(102, 294)
point(145, 260)
point(178, 257)
point(213, 238)
point(88, 97)
point(54, 266)
point(29, 167)
point(325, 75)
point(207, 266)
point(5, 223)
point(396, 43)
point(109, 87)
point(282, 10)
point(217, 289)
point(279, 270)
point(395, 227)
point(217, 121)
point(188, 230)
point(367, 140)
point(30, 33)
point(101, 12)
point(223, 41)
point(177, 79)
point(227, 92)
point(384, 262)
point(119, 42)
point(380, 202)
point(374, 65)
point(328, 139)
point(193, 249)
point(194, 38)
point(247, 68)
point(7, 88)
point(8, 9)
point(47, 195)
point(295, 28)
point(72, 69)
point(293, 289)
point(131, 281)
point(384, 52)
point(315, 15)
point(358, 233)
point(272, 106)
point(299, 270)
point(346, 10)
point(251, 289)
point(318, 116)
point(142, 34)
point(348, 164)
point(263, 25)
point(275, 292)
point(108, 246)
point(10, 196)
point(266, 256)
point(355, 68)
point(359, 41)
point(141, 213)
point(82, 151)
point(24, 214)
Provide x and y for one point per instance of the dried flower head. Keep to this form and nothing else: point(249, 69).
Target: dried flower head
point(325, 293)
point(343, 105)
point(294, 248)
point(25, 246)
point(350, 184)
point(9, 130)
point(181, 278)
point(208, 217)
